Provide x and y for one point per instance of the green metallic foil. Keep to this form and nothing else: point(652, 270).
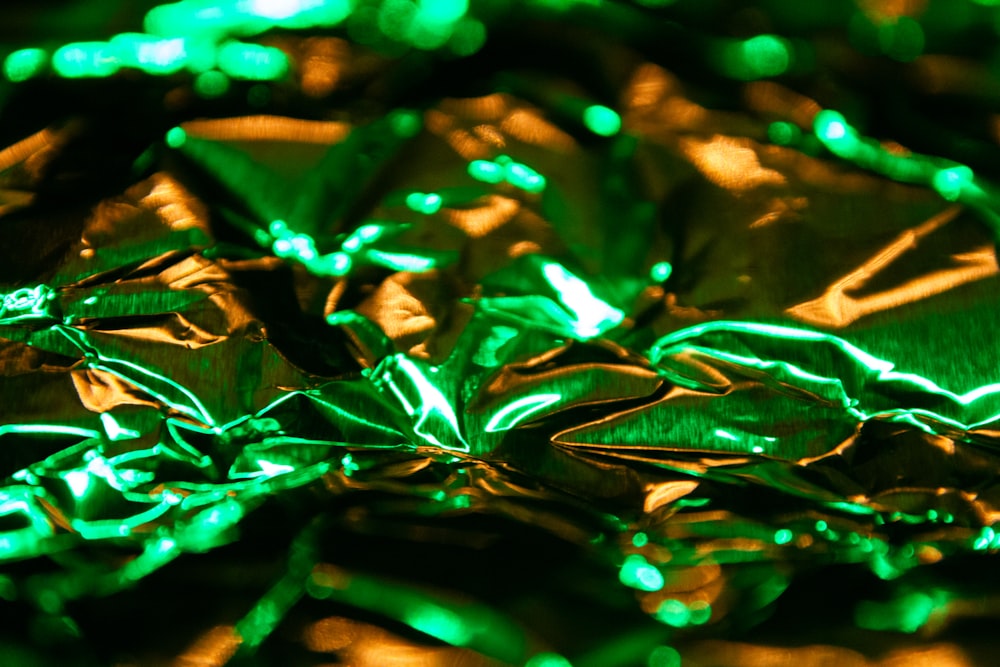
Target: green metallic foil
point(546, 333)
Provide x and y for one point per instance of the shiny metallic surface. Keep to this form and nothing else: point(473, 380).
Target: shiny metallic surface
point(372, 344)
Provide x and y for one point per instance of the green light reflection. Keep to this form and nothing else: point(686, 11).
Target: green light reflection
point(876, 372)
point(637, 573)
point(505, 169)
point(219, 18)
point(784, 134)
point(175, 137)
point(783, 536)
point(475, 626)
point(548, 660)
point(486, 171)
point(438, 622)
point(952, 181)
point(701, 612)
point(424, 203)
point(766, 55)
point(405, 123)
point(758, 57)
point(468, 38)
point(85, 59)
point(24, 64)
point(400, 261)
point(673, 613)
point(833, 130)
point(211, 84)
point(664, 656)
point(28, 304)
point(907, 613)
point(592, 316)
point(197, 34)
point(252, 61)
point(163, 388)
point(602, 120)
point(48, 429)
point(661, 271)
point(114, 429)
point(517, 411)
point(78, 482)
point(420, 398)
point(151, 54)
point(901, 39)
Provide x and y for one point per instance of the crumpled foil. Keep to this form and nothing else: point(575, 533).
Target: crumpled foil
point(690, 393)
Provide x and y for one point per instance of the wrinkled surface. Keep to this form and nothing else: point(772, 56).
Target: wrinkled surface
point(685, 392)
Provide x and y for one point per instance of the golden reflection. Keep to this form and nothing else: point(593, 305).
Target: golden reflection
point(330, 634)
point(173, 204)
point(681, 114)
point(396, 654)
point(401, 315)
point(927, 554)
point(664, 493)
point(100, 391)
point(322, 65)
point(740, 544)
point(438, 122)
point(529, 127)
point(24, 149)
point(334, 296)
point(700, 583)
point(144, 210)
point(767, 97)
point(11, 200)
point(212, 649)
point(268, 128)
point(780, 208)
point(653, 103)
point(523, 248)
point(717, 653)
point(939, 655)
point(736, 654)
point(944, 443)
point(650, 85)
point(836, 308)
point(490, 135)
point(467, 145)
point(476, 128)
point(698, 517)
point(837, 451)
point(651, 603)
point(174, 329)
point(195, 272)
point(480, 221)
point(479, 109)
point(730, 163)
point(107, 216)
point(363, 645)
point(697, 579)
point(28, 152)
